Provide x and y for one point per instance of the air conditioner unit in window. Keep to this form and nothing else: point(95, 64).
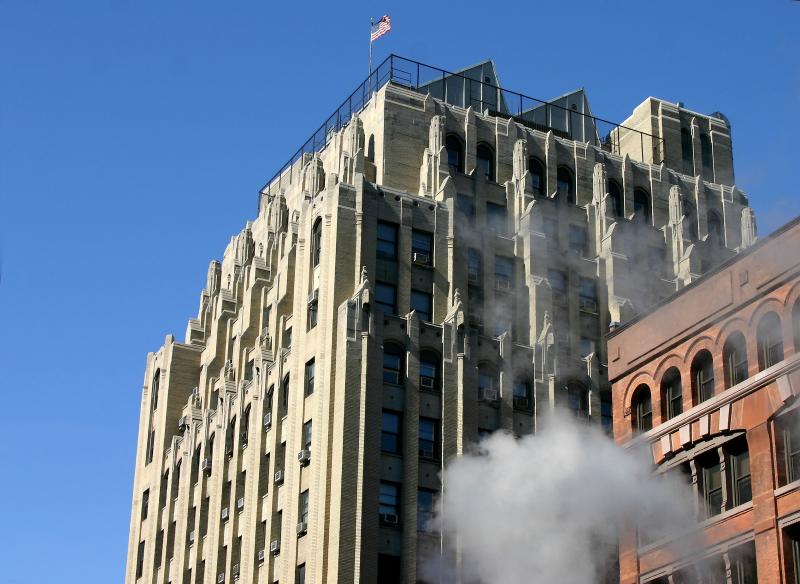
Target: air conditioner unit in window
point(205, 465)
point(304, 456)
point(278, 477)
point(420, 258)
point(313, 298)
point(268, 420)
point(224, 514)
point(502, 284)
point(191, 537)
point(221, 578)
point(302, 528)
point(275, 546)
point(183, 423)
point(488, 394)
point(427, 382)
point(390, 518)
point(240, 503)
point(261, 556)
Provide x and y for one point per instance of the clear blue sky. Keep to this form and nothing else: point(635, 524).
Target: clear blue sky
point(134, 136)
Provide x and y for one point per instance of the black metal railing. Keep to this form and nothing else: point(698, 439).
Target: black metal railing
point(459, 90)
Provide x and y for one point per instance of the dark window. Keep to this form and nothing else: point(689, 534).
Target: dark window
point(285, 394)
point(425, 499)
point(386, 297)
point(466, 205)
point(743, 564)
point(606, 418)
point(140, 560)
point(792, 543)
point(641, 206)
point(642, 409)
point(308, 434)
point(790, 433)
point(714, 226)
point(671, 394)
point(428, 437)
point(558, 285)
point(145, 503)
point(578, 400)
point(474, 265)
point(687, 151)
point(702, 377)
point(301, 569)
point(287, 338)
point(310, 368)
point(151, 445)
point(538, 182)
point(550, 230)
point(429, 371)
point(313, 310)
point(742, 491)
point(371, 148)
point(522, 395)
point(484, 155)
point(705, 152)
point(565, 184)
point(503, 273)
point(796, 326)
point(487, 383)
point(770, 341)
point(496, 218)
point(302, 507)
point(421, 247)
point(316, 242)
point(154, 388)
point(389, 569)
point(587, 294)
point(709, 477)
point(615, 198)
point(690, 215)
point(579, 240)
point(422, 302)
point(244, 428)
point(387, 240)
point(734, 357)
point(455, 152)
point(392, 364)
point(390, 432)
point(389, 501)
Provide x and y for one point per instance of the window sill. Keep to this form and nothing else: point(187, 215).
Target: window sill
point(425, 458)
point(787, 488)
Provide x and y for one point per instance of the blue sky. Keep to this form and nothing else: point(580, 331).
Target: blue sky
point(134, 136)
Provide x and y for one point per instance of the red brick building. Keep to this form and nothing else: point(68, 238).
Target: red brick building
point(708, 381)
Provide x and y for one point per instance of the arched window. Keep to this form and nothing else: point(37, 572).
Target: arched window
point(484, 155)
point(734, 359)
point(770, 341)
point(316, 242)
point(245, 427)
point(642, 408)
point(371, 148)
point(487, 383)
point(455, 152)
point(429, 376)
point(615, 196)
point(702, 377)
point(641, 206)
point(705, 152)
point(154, 388)
point(687, 152)
point(538, 175)
point(393, 357)
point(714, 226)
point(578, 400)
point(270, 394)
point(796, 326)
point(565, 184)
point(229, 437)
point(671, 394)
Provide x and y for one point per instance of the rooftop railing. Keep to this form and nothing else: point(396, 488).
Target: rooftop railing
point(459, 90)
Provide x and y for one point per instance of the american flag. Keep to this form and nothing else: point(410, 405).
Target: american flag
point(380, 28)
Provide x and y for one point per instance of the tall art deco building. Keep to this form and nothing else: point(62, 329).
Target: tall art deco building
point(439, 261)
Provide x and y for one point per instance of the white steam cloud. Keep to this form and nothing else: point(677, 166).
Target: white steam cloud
point(548, 508)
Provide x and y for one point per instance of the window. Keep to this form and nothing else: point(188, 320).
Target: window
point(140, 560)
point(466, 205)
point(422, 303)
point(796, 325)
point(386, 297)
point(154, 388)
point(285, 393)
point(606, 407)
point(316, 242)
point(671, 394)
point(428, 437)
point(792, 546)
point(313, 309)
point(308, 434)
point(390, 432)
point(789, 429)
point(587, 295)
point(425, 499)
point(702, 377)
point(705, 153)
point(742, 491)
point(302, 507)
point(473, 265)
point(310, 367)
point(421, 247)
point(586, 346)
point(558, 285)
point(496, 218)
point(244, 428)
point(389, 569)
point(687, 151)
point(392, 364)
point(503, 273)
point(301, 569)
point(642, 406)
point(389, 502)
point(690, 216)
point(145, 503)
point(371, 148)
point(578, 240)
point(487, 383)
point(550, 230)
point(641, 206)
point(455, 152)
point(484, 158)
point(429, 371)
point(734, 359)
point(578, 400)
point(151, 445)
point(709, 477)
point(743, 564)
point(538, 182)
point(522, 395)
point(387, 240)
point(565, 184)
point(770, 341)
point(287, 338)
point(714, 226)
point(615, 198)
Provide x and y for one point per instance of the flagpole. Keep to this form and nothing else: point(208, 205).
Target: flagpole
point(371, 24)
